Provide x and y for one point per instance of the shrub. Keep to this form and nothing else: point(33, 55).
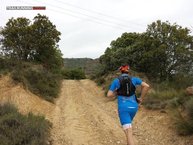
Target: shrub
point(183, 117)
point(39, 81)
point(17, 129)
point(189, 108)
point(100, 81)
point(75, 74)
point(163, 94)
point(7, 65)
point(161, 98)
point(181, 81)
point(36, 78)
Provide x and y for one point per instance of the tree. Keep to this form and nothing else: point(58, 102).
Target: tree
point(170, 49)
point(15, 39)
point(45, 40)
point(161, 52)
point(126, 39)
point(120, 51)
point(36, 41)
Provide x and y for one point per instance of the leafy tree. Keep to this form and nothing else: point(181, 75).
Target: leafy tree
point(120, 52)
point(170, 49)
point(126, 39)
point(36, 41)
point(45, 39)
point(15, 39)
point(163, 51)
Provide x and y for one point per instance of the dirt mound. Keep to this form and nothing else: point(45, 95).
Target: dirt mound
point(24, 100)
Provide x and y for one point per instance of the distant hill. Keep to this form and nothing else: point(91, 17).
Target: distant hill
point(87, 64)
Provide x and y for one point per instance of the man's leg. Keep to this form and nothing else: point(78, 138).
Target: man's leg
point(129, 135)
point(126, 118)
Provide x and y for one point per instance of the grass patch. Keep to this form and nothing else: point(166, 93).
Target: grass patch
point(162, 96)
point(17, 129)
point(160, 100)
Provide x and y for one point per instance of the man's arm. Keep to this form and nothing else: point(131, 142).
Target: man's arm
point(111, 94)
point(144, 89)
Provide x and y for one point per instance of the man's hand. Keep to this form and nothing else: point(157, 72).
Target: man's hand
point(139, 101)
point(111, 94)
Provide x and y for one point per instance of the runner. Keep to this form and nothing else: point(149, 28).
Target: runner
point(124, 87)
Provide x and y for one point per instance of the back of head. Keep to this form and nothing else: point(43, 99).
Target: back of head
point(124, 69)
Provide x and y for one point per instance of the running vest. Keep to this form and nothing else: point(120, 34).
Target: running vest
point(126, 86)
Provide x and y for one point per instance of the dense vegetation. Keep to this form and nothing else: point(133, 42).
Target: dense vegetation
point(88, 65)
point(17, 129)
point(35, 41)
point(75, 74)
point(76, 62)
point(29, 51)
point(164, 53)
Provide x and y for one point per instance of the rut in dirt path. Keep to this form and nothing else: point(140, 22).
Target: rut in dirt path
point(84, 117)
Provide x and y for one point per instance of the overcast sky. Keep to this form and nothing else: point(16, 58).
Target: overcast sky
point(89, 26)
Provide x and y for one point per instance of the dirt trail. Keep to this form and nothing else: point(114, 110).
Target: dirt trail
point(83, 116)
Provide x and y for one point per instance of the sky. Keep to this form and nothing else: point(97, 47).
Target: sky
point(88, 26)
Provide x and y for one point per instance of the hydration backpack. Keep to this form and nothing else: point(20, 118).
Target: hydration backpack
point(126, 86)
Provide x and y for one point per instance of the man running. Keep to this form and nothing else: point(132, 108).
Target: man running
point(124, 87)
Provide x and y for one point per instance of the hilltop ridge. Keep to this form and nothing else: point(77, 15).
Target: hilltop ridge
point(89, 65)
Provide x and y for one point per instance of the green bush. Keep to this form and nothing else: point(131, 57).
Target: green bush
point(7, 65)
point(17, 129)
point(183, 126)
point(181, 81)
point(189, 108)
point(39, 81)
point(75, 74)
point(182, 113)
point(100, 81)
point(35, 77)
